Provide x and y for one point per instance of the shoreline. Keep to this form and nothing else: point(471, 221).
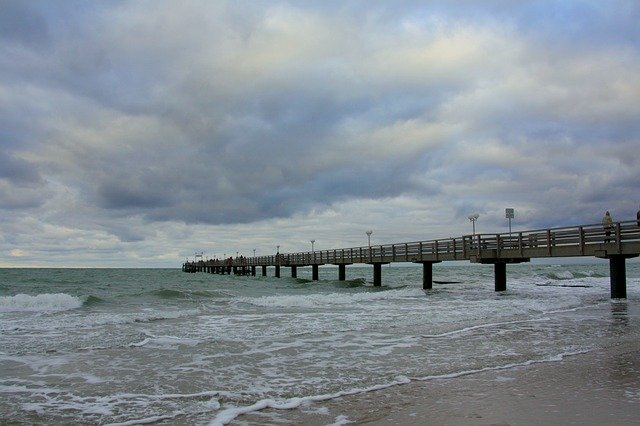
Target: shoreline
point(598, 387)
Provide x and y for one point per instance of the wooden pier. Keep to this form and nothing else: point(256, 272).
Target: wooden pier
point(616, 244)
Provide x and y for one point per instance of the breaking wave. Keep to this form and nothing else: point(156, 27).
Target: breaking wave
point(43, 302)
point(569, 275)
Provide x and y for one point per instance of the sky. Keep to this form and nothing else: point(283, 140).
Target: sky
point(138, 133)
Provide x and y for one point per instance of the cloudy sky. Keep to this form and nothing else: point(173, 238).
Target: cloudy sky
point(135, 133)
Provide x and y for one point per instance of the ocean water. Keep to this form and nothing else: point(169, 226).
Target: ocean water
point(138, 346)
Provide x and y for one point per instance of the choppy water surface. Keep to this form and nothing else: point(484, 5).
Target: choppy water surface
point(134, 346)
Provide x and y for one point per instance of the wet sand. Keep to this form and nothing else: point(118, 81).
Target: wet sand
point(601, 387)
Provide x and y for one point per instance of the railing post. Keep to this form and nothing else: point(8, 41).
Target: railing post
point(420, 248)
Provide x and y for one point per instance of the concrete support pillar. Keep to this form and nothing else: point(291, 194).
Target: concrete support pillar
point(618, 277)
point(500, 270)
point(377, 274)
point(294, 272)
point(264, 270)
point(342, 272)
point(277, 271)
point(253, 270)
point(314, 272)
point(427, 275)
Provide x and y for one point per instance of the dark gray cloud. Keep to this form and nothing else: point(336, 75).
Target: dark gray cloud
point(17, 170)
point(21, 23)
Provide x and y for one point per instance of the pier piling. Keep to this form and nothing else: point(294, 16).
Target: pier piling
point(377, 274)
point(500, 271)
point(618, 277)
point(342, 272)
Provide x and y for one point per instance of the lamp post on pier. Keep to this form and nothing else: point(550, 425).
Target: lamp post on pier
point(473, 219)
point(369, 232)
point(312, 242)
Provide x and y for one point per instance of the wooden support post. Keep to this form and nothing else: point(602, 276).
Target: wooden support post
point(427, 275)
point(264, 270)
point(253, 270)
point(377, 274)
point(618, 277)
point(277, 271)
point(500, 270)
point(342, 272)
point(294, 272)
point(314, 272)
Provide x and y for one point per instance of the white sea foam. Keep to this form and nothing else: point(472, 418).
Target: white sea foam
point(340, 420)
point(481, 326)
point(552, 358)
point(564, 275)
point(315, 300)
point(39, 303)
point(165, 342)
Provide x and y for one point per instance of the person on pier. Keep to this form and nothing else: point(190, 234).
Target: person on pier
point(607, 224)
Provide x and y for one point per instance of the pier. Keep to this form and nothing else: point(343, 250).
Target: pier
point(616, 244)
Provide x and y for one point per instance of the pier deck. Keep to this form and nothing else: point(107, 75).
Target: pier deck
point(618, 243)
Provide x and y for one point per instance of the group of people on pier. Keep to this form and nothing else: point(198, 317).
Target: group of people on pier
point(607, 224)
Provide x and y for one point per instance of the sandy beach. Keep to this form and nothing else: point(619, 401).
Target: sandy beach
point(601, 387)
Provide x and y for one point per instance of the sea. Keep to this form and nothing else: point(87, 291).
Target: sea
point(160, 346)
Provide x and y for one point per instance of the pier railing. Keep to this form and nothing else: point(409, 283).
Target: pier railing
point(585, 240)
